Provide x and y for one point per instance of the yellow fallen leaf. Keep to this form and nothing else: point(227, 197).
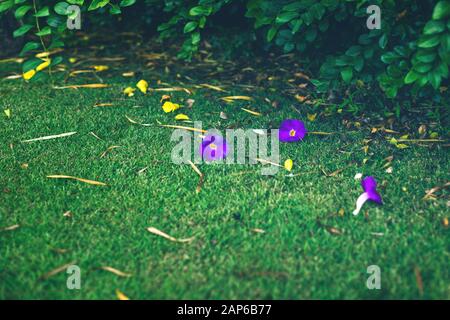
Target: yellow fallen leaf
point(129, 91)
point(258, 230)
point(251, 112)
point(202, 177)
point(170, 107)
point(165, 235)
point(312, 116)
point(181, 116)
point(43, 65)
point(57, 270)
point(401, 146)
point(108, 150)
point(87, 86)
point(165, 97)
point(173, 89)
point(55, 136)
point(231, 98)
point(434, 135)
point(268, 162)
point(121, 296)
point(135, 122)
point(10, 228)
point(46, 54)
point(422, 129)
point(100, 68)
point(209, 86)
point(116, 272)
point(29, 74)
point(142, 85)
point(97, 183)
point(72, 60)
point(288, 164)
point(182, 127)
point(128, 74)
point(16, 60)
point(7, 112)
point(106, 104)
point(13, 77)
point(300, 98)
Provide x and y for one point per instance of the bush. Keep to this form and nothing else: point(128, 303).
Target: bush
point(410, 51)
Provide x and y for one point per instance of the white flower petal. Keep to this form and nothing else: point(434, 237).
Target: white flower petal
point(359, 203)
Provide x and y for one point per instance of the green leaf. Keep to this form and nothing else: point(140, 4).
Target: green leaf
point(441, 10)
point(311, 35)
point(429, 41)
point(200, 10)
point(271, 33)
point(29, 46)
point(353, 51)
point(423, 67)
point(44, 12)
point(127, 3)
point(383, 41)
point(435, 79)
point(21, 11)
point(190, 26)
point(44, 32)
point(411, 77)
point(6, 5)
point(115, 9)
point(31, 64)
point(56, 44)
point(57, 60)
point(22, 30)
point(97, 4)
point(433, 27)
point(195, 38)
point(425, 56)
point(61, 8)
point(286, 17)
point(347, 74)
point(77, 2)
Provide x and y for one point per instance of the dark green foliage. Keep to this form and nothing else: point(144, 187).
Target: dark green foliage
point(410, 51)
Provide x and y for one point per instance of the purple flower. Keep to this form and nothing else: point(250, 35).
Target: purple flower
point(213, 147)
point(292, 130)
point(369, 185)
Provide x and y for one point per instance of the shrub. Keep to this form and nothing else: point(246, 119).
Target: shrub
point(410, 51)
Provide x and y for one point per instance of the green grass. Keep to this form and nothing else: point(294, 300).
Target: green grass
point(296, 257)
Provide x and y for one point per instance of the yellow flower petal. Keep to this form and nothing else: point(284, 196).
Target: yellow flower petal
point(7, 112)
point(288, 164)
point(29, 74)
point(43, 65)
point(312, 117)
point(100, 68)
point(129, 91)
point(181, 116)
point(142, 86)
point(170, 107)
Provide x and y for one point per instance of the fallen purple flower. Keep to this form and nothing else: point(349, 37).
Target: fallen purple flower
point(369, 185)
point(292, 130)
point(213, 148)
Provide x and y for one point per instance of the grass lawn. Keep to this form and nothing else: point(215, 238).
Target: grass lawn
point(312, 247)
